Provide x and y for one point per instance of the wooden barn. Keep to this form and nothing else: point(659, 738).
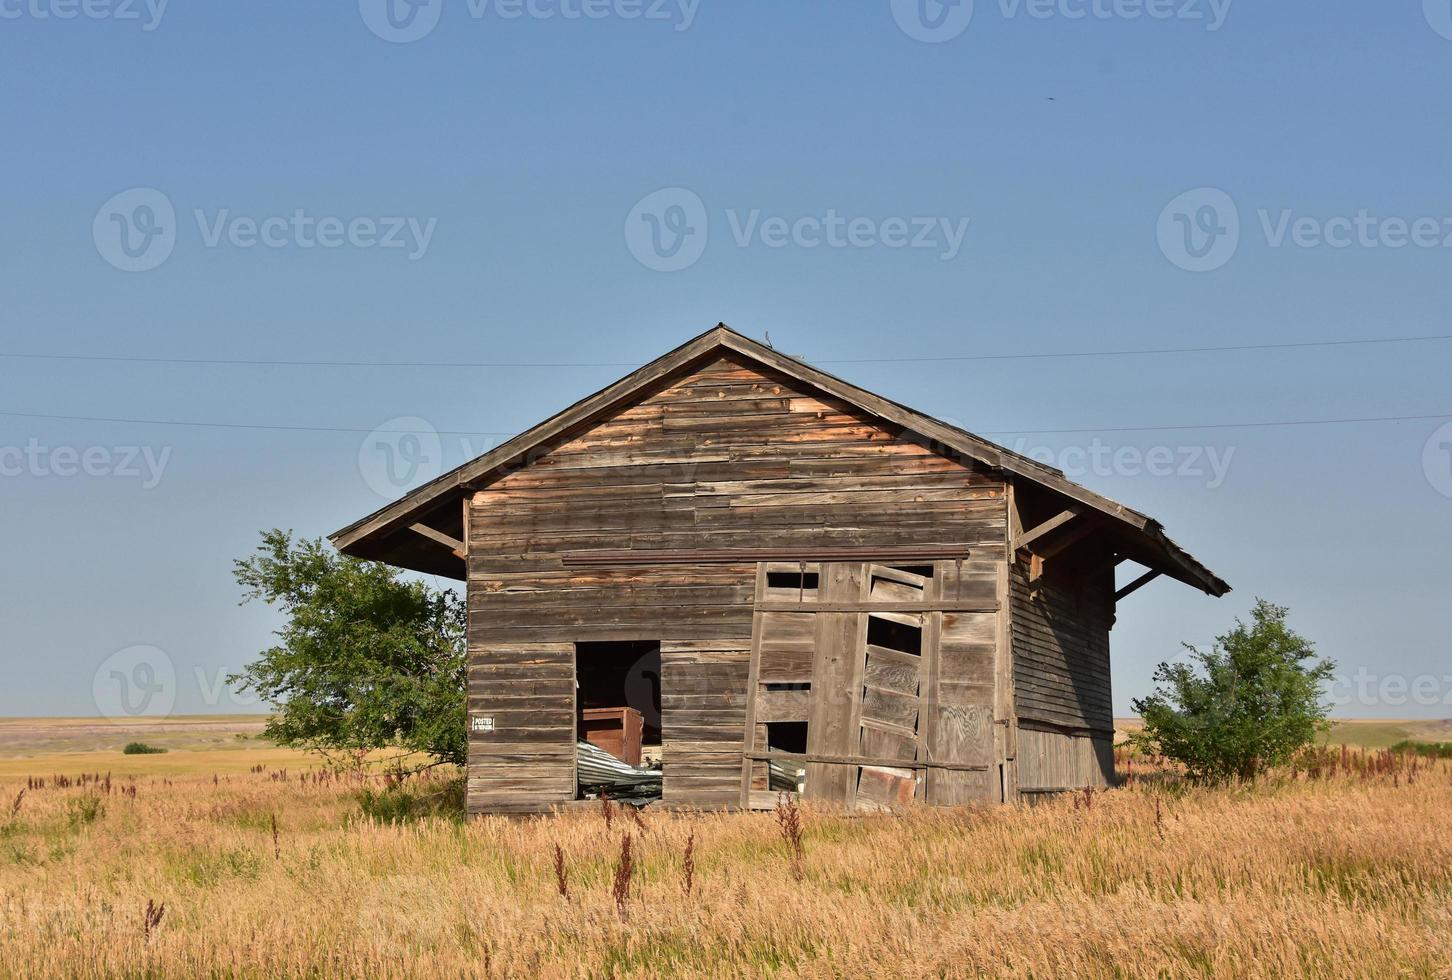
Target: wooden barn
point(787, 576)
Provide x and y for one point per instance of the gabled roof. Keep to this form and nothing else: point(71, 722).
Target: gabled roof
point(1148, 542)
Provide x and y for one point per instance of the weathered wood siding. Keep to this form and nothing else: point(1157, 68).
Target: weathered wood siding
point(1060, 627)
point(528, 692)
point(1049, 760)
point(1061, 645)
point(725, 455)
point(703, 713)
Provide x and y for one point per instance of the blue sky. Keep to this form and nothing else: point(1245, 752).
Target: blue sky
point(1100, 162)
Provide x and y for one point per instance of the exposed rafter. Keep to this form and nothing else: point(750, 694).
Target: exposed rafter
point(1047, 527)
point(1137, 584)
point(439, 537)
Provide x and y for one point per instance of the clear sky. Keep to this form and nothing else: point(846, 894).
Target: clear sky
point(477, 181)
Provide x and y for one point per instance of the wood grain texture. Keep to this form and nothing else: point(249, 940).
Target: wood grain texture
point(727, 455)
point(1060, 632)
point(1052, 760)
point(528, 759)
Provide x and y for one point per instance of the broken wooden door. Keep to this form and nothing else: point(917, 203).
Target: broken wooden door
point(851, 651)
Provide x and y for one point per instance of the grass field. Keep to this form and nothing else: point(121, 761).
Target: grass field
point(1357, 733)
point(194, 744)
point(1343, 875)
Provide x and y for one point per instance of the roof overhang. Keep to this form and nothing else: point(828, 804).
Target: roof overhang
point(365, 538)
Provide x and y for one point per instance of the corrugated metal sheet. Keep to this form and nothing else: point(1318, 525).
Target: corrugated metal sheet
point(599, 770)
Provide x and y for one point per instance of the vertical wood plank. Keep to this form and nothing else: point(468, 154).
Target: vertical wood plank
point(928, 682)
point(828, 731)
point(857, 654)
point(753, 691)
point(1005, 728)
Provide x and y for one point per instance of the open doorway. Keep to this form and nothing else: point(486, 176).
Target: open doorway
point(617, 698)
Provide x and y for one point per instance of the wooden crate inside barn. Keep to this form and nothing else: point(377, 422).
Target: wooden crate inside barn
point(616, 730)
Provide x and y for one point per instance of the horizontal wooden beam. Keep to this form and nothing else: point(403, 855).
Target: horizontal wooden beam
point(731, 556)
point(439, 537)
point(870, 607)
point(1047, 527)
point(1137, 584)
point(849, 760)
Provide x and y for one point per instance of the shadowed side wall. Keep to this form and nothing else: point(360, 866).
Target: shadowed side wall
point(1060, 630)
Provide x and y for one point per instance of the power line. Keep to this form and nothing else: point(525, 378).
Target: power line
point(1222, 425)
point(1145, 351)
point(1141, 352)
point(243, 425)
point(1286, 423)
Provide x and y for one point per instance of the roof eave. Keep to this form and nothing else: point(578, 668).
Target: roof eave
point(1178, 563)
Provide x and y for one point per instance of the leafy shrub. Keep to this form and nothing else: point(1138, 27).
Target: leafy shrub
point(1257, 703)
point(367, 659)
point(1432, 750)
point(141, 748)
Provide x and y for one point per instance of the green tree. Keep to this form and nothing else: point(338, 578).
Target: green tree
point(366, 660)
point(1257, 702)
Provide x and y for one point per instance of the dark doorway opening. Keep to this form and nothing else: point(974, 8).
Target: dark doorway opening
point(620, 675)
point(785, 775)
point(894, 635)
point(786, 736)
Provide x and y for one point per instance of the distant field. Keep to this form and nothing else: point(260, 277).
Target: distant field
point(1365, 733)
point(194, 744)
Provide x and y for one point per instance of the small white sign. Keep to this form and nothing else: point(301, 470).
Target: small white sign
point(483, 723)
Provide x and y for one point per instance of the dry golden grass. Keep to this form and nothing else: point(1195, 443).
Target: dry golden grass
point(1333, 877)
point(1340, 876)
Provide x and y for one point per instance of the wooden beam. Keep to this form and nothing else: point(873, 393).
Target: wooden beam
point(876, 607)
point(852, 760)
point(434, 534)
point(733, 556)
point(1066, 541)
point(1047, 527)
point(1138, 584)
